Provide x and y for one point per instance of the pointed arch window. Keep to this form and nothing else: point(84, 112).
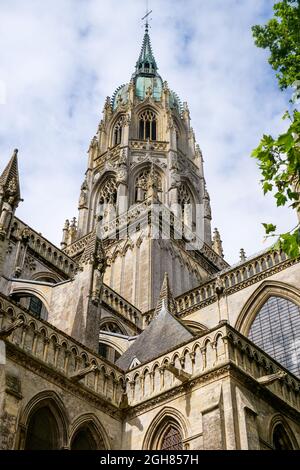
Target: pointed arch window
point(108, 192)
point(184, 195)
point(108, 200)
point(147, 125)
point(35, 306)
point(42, 431)
point(83, 440)
point(171, 439)
point(185, 202)
point(141, 185)
point(276, 330)
point(281, 439)
point(111, 327)
point(177, 137)
point(118, 130)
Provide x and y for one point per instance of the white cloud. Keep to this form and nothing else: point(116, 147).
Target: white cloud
point(60, 58)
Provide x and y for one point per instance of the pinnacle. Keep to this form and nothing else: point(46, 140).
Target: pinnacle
point(10, 174)
point(166, 298)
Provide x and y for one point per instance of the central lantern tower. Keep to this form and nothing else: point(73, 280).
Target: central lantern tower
point(143, 155)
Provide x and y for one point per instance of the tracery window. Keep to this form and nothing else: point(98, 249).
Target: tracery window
point(111, 327)
point(185, 201)
point(141, 184)
point(276, 330)
point(108, 200)
point(184, 196)
point(108, 192)
point(147, 125)
point(118, 129)
point(171, 439)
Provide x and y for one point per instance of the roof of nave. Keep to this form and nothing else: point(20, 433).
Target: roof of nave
point(163, 333)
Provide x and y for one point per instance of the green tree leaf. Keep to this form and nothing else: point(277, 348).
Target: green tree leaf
point(278, 158)
point(269, 228)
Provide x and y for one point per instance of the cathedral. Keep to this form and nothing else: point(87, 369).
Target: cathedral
point(135, 333)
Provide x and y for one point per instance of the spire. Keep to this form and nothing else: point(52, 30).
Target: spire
point(9, 180)
point(166, 300)
point(146, 63)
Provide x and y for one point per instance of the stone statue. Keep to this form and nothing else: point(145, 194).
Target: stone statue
point(121, 176)
point(121, 168)
point(93, 143)
point(1, 195)
point(170, 122)
point(149, 92)
point(100, 263)
point(219, 288)
point(206, 202)
point(83, 199)
point(12, 187)
point(6, 214)
point(175, 178)
point(107, 111)
point(25, 235)
point(152, 185)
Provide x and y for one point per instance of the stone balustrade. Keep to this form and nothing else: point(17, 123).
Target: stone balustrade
point(157, 146)
point(111, 155)
point(221, 348)
point(122, 306)
point(44, 345)
point(77, 247)
point(233, 279)
point(45, 249)
point(112, 228)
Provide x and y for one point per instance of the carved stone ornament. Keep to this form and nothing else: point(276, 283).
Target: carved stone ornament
point(121, 177)
point(25, 235)
point(83, 199)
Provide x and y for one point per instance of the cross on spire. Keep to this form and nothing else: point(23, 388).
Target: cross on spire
point(146, 62)
point(146, 17)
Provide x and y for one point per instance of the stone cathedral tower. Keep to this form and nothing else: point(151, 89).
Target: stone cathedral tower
point(95, 350)
point(143, 154)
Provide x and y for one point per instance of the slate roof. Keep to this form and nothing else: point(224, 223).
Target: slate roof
point(163, 333)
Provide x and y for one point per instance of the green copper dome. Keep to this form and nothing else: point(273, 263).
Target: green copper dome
point(144, 84)
point(121, 94)
point(146, 79)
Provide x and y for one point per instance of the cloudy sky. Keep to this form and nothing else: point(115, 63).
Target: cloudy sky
point(61, 58)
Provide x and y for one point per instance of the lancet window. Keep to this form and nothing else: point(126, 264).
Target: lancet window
point(147, 125)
